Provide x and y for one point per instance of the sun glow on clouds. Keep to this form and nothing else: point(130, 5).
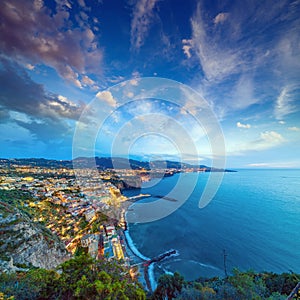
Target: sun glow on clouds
point(32, 34)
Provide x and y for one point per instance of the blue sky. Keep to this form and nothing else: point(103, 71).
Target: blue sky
point(242, 57)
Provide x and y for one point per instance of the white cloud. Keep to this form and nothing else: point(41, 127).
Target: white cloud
point(242, 95)
point(271, 138)
point(29, 67)
point(221, 18)
point(130, 95)
point(136, 74)
point(249, 67)
point(240, 125)
point(141, 21)
point(259, 165)
point(294, 128)
point(87, 81)
point(267, 140)
point(217, 60)
point(285, 102)
point(281, 122)
point(187, 46)
point(116, 79)
point(281, 164)
point(134, 82)
point(107, 97)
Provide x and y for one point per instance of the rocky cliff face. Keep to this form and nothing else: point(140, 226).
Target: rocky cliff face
point(25, 243)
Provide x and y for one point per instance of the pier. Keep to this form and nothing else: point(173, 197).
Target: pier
point(154, 260)
point(140, 261)
point(138, 197)
point(165, 198)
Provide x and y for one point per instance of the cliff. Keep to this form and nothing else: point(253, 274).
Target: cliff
point(25, 243)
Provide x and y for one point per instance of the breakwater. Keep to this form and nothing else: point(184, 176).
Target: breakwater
point(147, 265)
point(148, 268)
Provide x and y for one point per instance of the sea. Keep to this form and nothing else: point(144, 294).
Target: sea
point(252, 223)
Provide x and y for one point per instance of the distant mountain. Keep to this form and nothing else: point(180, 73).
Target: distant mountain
point(107, 163)
point(40, 162)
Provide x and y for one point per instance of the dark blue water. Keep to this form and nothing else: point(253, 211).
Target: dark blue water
point(255, 217)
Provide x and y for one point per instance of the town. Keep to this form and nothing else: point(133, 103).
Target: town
point(83, 207)
point(75, 214)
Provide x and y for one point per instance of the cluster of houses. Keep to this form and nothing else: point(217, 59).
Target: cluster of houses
point(79, 199)
point(107, 243)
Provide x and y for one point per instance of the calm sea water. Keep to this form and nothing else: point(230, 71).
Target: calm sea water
point(254, 217)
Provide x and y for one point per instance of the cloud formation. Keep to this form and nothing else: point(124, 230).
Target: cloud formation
point(241, 125)
point(294, 128)
point(216, 59)
point(241, 65)
point(187, 46)
point(32, 33)
point(221, 18)
point(143, 14)
point(41, 111)
point(267, 140)
point(285, 101)
point(107, 97)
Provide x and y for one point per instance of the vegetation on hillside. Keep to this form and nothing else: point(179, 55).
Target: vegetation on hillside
point(85, 278)
point(238, 286)
point(79, 278)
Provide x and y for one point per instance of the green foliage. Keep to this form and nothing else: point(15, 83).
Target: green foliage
point(85, 278)
point(78, 278)
point(31, 285)
point(282, 283)
point(80, 250)
point(17, 198)
point(83, 223)
point(247, 285)
point(238, 286)
point(169, 286)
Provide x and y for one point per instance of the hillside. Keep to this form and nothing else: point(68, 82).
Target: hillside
point(25, 243)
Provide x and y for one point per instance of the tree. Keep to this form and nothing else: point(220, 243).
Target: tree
point(169, 286)
point(79, 278)
point(247, 285)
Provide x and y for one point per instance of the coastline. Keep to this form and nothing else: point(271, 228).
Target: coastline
point(139, 260)
point(145, 264)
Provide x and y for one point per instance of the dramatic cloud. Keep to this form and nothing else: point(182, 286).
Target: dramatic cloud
point(240, 125)
point(40, 109)
point(32, 33)
point(141, 21)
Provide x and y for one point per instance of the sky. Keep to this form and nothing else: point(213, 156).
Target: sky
point(70, 67)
